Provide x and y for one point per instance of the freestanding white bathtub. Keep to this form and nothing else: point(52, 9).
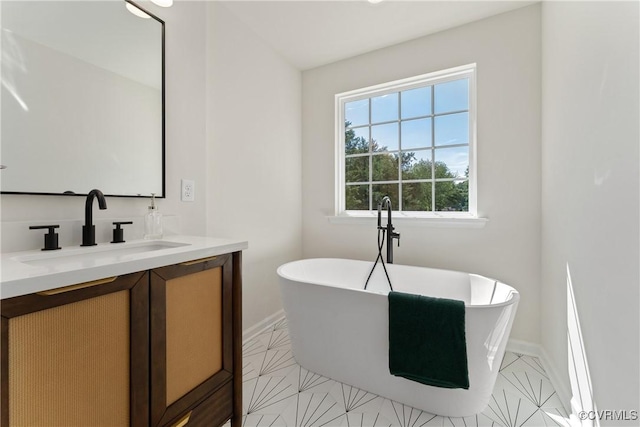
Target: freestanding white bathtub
point(340, 330)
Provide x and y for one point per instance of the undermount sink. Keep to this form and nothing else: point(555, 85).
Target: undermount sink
point(95, 254)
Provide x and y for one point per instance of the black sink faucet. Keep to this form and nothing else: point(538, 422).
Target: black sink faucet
point(88, 229)
point(386, 201)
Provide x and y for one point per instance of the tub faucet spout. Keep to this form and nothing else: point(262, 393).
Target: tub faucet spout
point(386, 202)
point(88, 229)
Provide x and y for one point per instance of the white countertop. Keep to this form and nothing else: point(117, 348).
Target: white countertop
point(22, 273)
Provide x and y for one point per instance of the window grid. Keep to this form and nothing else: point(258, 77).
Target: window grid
point(432, 149)
point(456, 172)
point(400, 148)
point(433, 153)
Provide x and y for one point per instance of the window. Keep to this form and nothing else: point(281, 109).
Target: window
point(412, 140)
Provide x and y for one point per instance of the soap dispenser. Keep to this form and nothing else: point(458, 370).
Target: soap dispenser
point(153, 221)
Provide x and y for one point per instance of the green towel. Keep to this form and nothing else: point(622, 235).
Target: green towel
point(427, 340)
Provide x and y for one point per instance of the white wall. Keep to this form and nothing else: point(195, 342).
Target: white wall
point(185, 139)
point(590, 192)
point(506, 49)
point(253, 170)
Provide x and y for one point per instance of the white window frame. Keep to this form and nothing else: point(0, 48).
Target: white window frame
point(468, 71)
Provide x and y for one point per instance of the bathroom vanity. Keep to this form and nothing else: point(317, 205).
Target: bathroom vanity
point(145, 333)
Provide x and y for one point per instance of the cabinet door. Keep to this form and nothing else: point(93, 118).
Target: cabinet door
point(77, 356)
point(191, 337)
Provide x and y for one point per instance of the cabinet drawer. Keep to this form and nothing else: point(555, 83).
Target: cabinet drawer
point(212, 412)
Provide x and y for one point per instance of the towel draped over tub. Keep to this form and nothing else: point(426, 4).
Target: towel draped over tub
point(427, 340)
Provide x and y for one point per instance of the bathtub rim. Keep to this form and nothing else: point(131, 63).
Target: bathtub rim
point(514, 296)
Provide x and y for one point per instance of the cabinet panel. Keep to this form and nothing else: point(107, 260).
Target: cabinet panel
point(57, 361)
point(194, 330)
point(77, 358)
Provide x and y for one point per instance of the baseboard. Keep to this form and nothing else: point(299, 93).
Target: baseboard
point(262, 326)
point(563, 390)
point(524, 347)
point(529, 349)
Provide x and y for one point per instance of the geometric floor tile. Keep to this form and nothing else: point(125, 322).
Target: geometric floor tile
point(352, 399)
point(361, 419)
point(278, 392)
point(514, 362)
point(510, 410)
point(405, 416)
point(267, 395)
point(258, 420)
point(314, 409)
point(533, 386)
point(309, 381)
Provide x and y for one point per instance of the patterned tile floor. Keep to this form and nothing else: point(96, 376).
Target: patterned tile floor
point(278, 392)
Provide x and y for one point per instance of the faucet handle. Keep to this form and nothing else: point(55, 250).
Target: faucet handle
point(118, 233)
point(50, 239)
point(395, 235)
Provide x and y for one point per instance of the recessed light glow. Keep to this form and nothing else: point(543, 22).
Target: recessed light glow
point(374, 1)
point(163, 3)
point(131, 8)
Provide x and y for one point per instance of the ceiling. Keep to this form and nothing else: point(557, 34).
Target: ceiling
point(309, 34)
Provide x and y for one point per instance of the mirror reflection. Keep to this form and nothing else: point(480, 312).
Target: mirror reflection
point(82, 98)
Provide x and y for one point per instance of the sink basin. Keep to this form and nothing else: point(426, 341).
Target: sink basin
point(99, 254)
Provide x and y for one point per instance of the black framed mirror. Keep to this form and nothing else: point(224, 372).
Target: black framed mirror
point(82, 99)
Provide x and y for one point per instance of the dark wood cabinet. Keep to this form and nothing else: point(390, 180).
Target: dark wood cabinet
point(77, 356)
point(192, 348)
point(156, 348)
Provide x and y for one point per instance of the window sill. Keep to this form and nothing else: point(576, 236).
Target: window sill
point(427, 220)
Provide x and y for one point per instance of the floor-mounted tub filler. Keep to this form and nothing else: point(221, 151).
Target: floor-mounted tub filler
point(341, 331)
